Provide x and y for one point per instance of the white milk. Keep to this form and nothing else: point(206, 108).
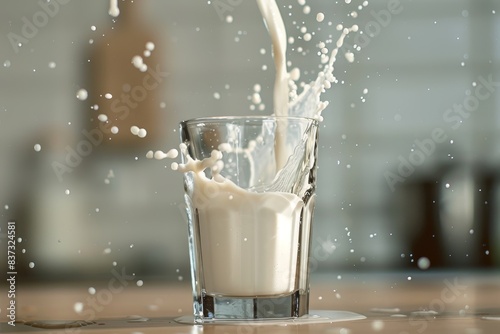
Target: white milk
point(249, 241)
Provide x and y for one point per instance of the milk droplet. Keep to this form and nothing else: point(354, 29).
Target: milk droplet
point(31, 265)
point(256, 98)
point(52, 64)
point(92, 290)
point(6, 207)
point(216, 96)
point(93, 28)
point(173, 153)
point(377, 325)
point(295, 74)
point(82, 94)
point(113, 8)
point(135, 130)
point(229, 19)
point(108, 96)
point(37, 147)
point(6, 63)
point(67, 192)
point(137, 61)
point(306, 9)
point(150, 155)
point(107, 251)
point(349, 56)
point(160, 155)
point(307, 37)
point(150, 46)
point(320, 17)
point(424, 263)
point(142, 133)
point(114, 130)
point(78, 307)
point(102, 117)
point(139, 283)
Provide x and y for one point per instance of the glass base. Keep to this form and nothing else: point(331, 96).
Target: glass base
point(242, 308)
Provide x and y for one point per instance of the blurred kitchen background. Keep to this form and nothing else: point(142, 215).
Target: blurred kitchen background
point(409, 150)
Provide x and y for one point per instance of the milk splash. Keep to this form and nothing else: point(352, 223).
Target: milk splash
point(287, 101)
point(219, 203)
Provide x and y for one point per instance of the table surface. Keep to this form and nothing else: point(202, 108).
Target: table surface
point(444, 302)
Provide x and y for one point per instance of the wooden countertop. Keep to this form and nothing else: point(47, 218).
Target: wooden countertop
point(444, 302)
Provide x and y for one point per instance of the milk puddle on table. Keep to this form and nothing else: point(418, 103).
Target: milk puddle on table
point(314, 317)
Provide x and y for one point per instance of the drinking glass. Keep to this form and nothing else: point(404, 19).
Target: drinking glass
point(249, 200)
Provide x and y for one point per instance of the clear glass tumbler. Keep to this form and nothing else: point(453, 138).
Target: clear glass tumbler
point(250, 199)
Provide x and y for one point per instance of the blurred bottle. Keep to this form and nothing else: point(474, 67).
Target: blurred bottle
point(127, 80)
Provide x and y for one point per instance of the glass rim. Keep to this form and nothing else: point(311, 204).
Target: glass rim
point(216, 119)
